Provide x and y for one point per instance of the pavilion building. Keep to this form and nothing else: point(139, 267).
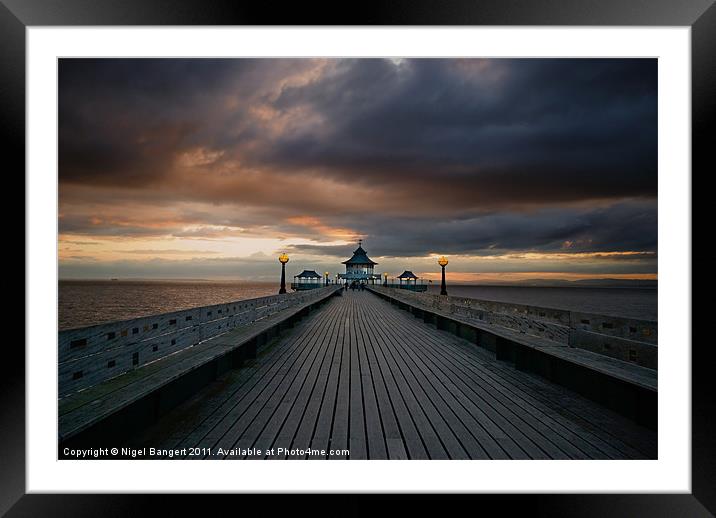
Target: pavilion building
point(306, 280)
point(359, 268)
point(409, 281)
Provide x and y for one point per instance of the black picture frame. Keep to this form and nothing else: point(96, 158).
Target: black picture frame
point(700, 15)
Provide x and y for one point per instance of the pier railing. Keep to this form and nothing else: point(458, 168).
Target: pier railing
point(90, 355)
point(625, 339)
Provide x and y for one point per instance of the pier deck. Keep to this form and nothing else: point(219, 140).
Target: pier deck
point(361, 375)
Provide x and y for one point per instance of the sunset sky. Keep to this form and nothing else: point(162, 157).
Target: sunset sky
point(513, 168)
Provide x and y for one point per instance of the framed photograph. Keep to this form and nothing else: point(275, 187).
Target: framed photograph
point(435, 250)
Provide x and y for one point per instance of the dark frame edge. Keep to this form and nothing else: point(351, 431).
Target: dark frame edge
point(12, 96)
point(703, 409)
point(12, 380)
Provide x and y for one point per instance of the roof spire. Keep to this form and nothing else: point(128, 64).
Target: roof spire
point(360, 242)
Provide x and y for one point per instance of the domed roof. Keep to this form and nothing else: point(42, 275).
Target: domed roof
point(308, 274)
point(359, 257)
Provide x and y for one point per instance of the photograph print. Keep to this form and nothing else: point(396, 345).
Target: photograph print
point(357, 259)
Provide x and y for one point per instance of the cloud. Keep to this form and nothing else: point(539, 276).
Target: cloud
point(480, 157)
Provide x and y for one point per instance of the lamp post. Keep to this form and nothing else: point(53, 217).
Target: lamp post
point(443, 263)
point(326, 280)
point(283, 259)
point(385, 280)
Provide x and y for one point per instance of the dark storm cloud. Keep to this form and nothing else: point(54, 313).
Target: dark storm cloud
point(540, 130)
point(419, 156)
point(519, 130)
point(628, 227)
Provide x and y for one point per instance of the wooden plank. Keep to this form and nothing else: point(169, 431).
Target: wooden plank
point(592, 446)
point(294, 399)
point(394, 439)
point(401, 391)
point(375, 434)
point(232, 425)
point(322, 433)
point(358, 443)
point(452, 434)
point(630, 439)
point(510, 325)
point(298, 429)
point(364, 375)
point(536, 445)
point(491, 437)
point(245, 396)
point(508, 402)
point(462, 362)
point(341, 413)
point(204, 408)
point(478, 443)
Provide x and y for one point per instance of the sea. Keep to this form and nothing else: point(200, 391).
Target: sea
point(84, 303)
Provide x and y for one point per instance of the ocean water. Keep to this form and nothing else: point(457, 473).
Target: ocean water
point(85, 303)
point(640, 303)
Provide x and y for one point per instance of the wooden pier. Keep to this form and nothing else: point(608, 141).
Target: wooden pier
point(358, 374)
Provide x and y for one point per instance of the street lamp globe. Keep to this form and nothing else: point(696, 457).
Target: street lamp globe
point(443, 263)
point(283, 259)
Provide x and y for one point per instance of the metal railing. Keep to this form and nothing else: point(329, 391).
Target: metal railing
point(626, 339)
point(90, 355)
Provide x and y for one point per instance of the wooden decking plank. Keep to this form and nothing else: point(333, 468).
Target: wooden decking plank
point(375, 434)
point(510, 439)
point(543, 436)
point(491, 437)
point(591, 445)
point(430, 437)
point(477, 441)
point(195, 411)
point(536, 445)
point(394, 441)
point(618, 432)
point(283, 435)
point(210, 433)
point(362, 375)
point(455, 437)
point(170, 430)
point(321, 437)
point(468, 349)
point(511, 380)
point(508, 400)
point(340, 428)
point(411, 437)
point(298, 430)
point(642, 376)
point(263, 371)
point(493, 397)
point(357, 444)
point(262, 432)
point(241, 431)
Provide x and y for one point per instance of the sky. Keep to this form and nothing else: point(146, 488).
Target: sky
point(209, 169)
